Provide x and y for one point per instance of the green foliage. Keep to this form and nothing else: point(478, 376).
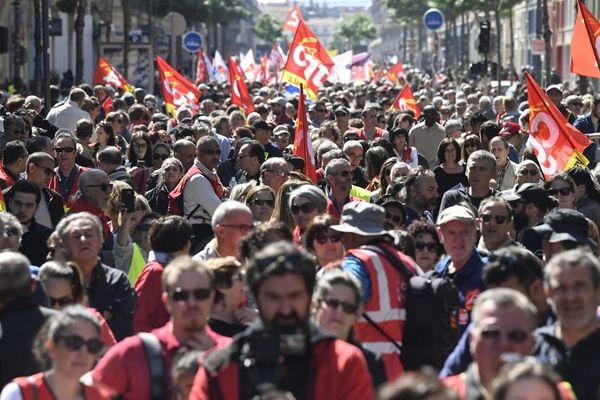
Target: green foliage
point(357, 28)
point(409, 12)
point(268, 28)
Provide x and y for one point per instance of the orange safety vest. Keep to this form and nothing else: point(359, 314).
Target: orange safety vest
point(176, 195)
point(386, 307)
point(34, 387)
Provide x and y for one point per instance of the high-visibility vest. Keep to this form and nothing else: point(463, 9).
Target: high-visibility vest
point(34, 387)
point(137, 264)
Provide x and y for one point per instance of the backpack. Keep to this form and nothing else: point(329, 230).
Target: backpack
point(430, 331)
point(153, 351)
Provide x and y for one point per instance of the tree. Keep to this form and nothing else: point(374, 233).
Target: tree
point(357, 28)
point(268, 28)
point(410, 14)
point(79, 25)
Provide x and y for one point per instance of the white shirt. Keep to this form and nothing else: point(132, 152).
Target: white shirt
point(199, 191)
point(67, 115)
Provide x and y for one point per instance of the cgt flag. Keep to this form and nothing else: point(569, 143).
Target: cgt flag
point(293, 19)
point(201, 67)
point(406, 101)
point(302, 143)
point(240, 95)
point(107, 74)
point(395, 73)
point(557, 144)
point(585, 43)
point(308, 63)
point(177, 90)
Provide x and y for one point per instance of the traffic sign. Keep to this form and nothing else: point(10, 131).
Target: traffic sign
point(433, 19)
point(192, 41)
point(174, 24)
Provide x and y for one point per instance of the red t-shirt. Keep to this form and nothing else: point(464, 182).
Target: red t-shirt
point(150, 313)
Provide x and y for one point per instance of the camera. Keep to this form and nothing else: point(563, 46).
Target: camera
point(263, 356)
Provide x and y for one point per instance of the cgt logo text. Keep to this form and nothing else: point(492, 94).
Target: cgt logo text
point(313, 70)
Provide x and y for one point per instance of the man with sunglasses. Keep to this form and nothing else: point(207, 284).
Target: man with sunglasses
point(274, 172)
point(40, 169)
point(338, 175)
point(250, 156)
point(503, 323)
point(66, 178)
point(495, 225)
point(303, 363)
point(187, 294)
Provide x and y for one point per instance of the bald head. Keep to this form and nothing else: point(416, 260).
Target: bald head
point(95, 187)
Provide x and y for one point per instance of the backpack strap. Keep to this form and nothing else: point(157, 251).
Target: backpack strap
point(153, 350)
point(392, 258)
point(382, 331)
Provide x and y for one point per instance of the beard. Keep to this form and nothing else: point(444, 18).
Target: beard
point(288, 324)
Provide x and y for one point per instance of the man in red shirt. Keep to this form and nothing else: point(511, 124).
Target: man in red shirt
point(188, 293)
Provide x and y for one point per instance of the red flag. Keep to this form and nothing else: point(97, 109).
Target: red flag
point(308, 63)
point(240, 95)
point(201, 68)
point(585, 43)
point(557, 144)
point(302, 143)
point(406, 101)
point(396, 72)
point(107, 105)
point(293, 19)
point(377, 75)
point(106, 73)
point(177, 90)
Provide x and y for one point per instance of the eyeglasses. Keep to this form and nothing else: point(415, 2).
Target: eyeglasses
point(64, 149)
point(242, 227)
point(320, 110)
point(499, 219)
point(577, 104)
point(277, 172)
point(212, 152)
point(160, 156)
point(47, 171)
point(394, 218)
point(11, 231)
point(515, 336)
point(105, 187)
point(76, 342)
point(306, 208)
point(431, 247)
point(348, 308)
point(60, 301)
point(531, 172)
point(323, 238)
point(259, 202)
point(565, 191)
point(179, 294)
point(345, 174)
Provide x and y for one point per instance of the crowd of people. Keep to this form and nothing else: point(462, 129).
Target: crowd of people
point(149, 256)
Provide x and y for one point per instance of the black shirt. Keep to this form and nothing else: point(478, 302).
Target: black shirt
point(225, 328)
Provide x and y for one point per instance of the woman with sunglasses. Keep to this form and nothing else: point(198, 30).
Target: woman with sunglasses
point(336, 306)
point(428, 248)
point(326, 245)
point(69, 345)
point(229, 316)
point(306, 202)
point(261, 200)
point(562, 186)
point(169, 175)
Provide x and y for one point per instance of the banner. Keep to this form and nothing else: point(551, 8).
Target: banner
point(557, 144)
point(395, 73)
point(585, 43)
point(302, 143)
point(201, 68)
point(406, 101)
point(342, 68)
point(240, 96)
point(249, 65)
point(308, 63)
point(177, 90)
point(293, 19)
point(107, 74)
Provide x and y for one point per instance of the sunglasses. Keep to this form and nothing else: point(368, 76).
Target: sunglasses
point(242, 227)
point(105, 187)
point(75, 343)
point(323, 238)
point(348, 308)
point(397, 219)
point(212, 152)
point(160, 156)
point(280, 173)
point(180, 294)
point(565, 191)
point(64, 149)
point(47, 171)
point(431, 247)
point(306, 208)
point(530, 172)
point(259, 202)
point(514, 336)
point(499, 219)
point(11, 231)
point(60, 301)
point(119, 121)
point(319, 110)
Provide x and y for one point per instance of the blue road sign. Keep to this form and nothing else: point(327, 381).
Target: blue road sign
point(433, 19)
point(192, 41)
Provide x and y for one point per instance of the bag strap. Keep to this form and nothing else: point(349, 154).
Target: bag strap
point(384, 333)
point(153, 349)
point(392, 258)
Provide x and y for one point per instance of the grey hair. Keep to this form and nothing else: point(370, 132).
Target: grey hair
point(7, 220)
point(330, 279)
point(226, 210)
point(170, 162)
point(241, 189)
point(272, 162)
point(351, 144)
point(482, 155)
point(61, 321)
point(452, 125)
point(503, 298)
point(64, 223)
point(571, 259)
point(334, 164)
point(313, 193)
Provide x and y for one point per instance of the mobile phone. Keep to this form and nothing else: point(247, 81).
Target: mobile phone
point(141, 163)
point(128, 199)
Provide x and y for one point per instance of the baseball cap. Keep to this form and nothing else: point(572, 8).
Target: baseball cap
point(529, 192)
point(260, 124)
point(281, 130)
point(564, 224)
point(456, 213)
point(554, 87)
point(278, 100)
